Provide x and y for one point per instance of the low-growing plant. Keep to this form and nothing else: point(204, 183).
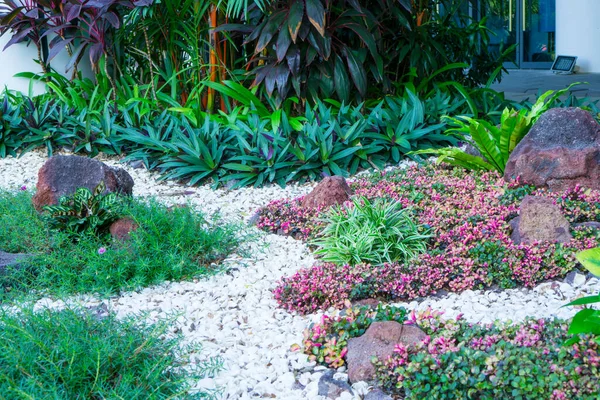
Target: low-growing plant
point(327, 342)
point(169, 244)
point(500, 360)
point(84, 213)
point(373, 232)
point(587, 321)
point(468, 215)
point(75, 354)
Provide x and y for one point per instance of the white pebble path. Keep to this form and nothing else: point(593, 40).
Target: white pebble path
point(234, 314)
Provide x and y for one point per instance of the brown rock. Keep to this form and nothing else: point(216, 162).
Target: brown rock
point(540, 220)
point(63, 175)
point(330, 191)
point(121, 228)
point(562, 150)
point(379, 341)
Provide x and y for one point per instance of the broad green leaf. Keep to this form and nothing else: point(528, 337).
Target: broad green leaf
point(590, 259)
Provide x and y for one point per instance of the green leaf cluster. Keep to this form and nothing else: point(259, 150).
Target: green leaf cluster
point(494, 144)
point(84, 213)
point(587, 321)
point(372, 232)
point(75, 353)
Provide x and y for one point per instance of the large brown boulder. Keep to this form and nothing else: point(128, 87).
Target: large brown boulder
point(540, 220)
point(63, 175)
point(378, 341)
point(560, 151)
point(330, 191)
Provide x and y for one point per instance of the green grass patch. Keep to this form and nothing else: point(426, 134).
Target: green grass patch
point(72, 354)
point(171, 244)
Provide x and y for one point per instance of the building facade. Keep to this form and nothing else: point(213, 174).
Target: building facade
point(542, 29)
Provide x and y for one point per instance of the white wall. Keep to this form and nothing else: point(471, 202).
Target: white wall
point(578, 32)
point(19, 58)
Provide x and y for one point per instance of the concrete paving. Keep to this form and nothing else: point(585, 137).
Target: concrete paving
point(526, 84)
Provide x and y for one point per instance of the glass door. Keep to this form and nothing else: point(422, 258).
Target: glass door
point(503, 25)
point(538, 33)
point(528, 23)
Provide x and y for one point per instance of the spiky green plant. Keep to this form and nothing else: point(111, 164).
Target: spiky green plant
point(370, 232)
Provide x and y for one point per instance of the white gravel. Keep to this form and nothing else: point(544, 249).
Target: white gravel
point(234, 314)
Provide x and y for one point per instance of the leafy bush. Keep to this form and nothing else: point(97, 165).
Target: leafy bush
point(373, 232)
point(458, 358)
point(587, 321)
point(494, 143)
point(84, 213)
point(468, 215)
point(74, 354)
point(500, 360)
point(326, 342)
point(169, 244)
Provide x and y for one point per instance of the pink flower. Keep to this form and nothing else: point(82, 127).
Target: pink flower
point(101, 250)
point(23, 187)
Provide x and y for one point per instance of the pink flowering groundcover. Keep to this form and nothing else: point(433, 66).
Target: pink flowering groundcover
point(468, 214)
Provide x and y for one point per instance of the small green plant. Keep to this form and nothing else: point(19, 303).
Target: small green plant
point(86, 212)
point(75, 354)
point(170, 244)
point(374, 232)
point(327, 342)
point(494, 143)
point(587, 321)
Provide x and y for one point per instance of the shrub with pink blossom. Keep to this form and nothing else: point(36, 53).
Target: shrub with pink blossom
point(463, 360)
point(501, 360)
point(468, 214)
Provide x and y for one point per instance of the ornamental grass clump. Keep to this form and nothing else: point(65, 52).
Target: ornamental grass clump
point(372, 232)
point(75, 354)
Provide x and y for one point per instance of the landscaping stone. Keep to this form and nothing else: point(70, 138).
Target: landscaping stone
point(378, 341)
point(10, 260)
point(63, 175)
point(121, 228)
point(574, 278)
point(331, 387)
point(377, 394)
point(560, 151)
point(330, 191)
point(540, 220)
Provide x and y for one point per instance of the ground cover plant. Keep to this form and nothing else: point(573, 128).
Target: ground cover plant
point(75, 354)
point(170, 244)
point(468, 214)
point(501, 360)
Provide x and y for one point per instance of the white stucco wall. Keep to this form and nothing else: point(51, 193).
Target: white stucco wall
point(578, 32)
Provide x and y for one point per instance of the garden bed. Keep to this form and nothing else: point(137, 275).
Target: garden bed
point(468, 216)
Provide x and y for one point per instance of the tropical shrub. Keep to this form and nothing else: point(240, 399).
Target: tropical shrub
point(373, 232)
point(494, 143)
point(84, 213)
point(468, 216)
point(587, 321)
point(73, 353)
